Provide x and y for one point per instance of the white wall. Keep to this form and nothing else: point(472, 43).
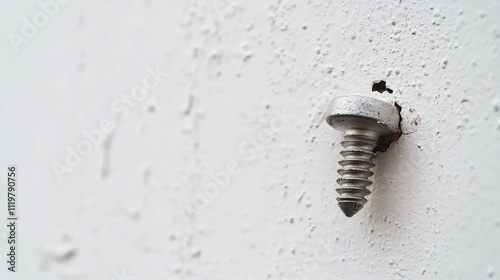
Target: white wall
point(434, 210)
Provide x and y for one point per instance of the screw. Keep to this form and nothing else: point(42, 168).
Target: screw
point(363, 120)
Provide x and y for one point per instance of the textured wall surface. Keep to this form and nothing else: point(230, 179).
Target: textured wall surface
point(210, 157)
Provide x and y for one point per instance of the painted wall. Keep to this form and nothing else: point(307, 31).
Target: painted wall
point(186, 140)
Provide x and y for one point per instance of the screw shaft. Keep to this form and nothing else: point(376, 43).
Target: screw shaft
point(358, 160)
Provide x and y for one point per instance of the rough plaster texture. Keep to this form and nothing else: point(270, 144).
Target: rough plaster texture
point(434, 210)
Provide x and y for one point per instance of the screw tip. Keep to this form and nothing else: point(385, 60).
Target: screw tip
point(350, 208)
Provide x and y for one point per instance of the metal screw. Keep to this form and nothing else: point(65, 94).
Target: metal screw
point(363, 120)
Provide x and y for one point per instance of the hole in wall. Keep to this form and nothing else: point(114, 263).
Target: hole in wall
point(380, 86)
point(384, 142)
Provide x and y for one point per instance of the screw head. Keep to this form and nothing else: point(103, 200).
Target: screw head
point(350, 112)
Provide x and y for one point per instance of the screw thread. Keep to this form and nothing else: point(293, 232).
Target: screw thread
point(358, 160)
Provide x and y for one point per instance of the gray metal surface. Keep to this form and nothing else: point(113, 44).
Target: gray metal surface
point(363, 120)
